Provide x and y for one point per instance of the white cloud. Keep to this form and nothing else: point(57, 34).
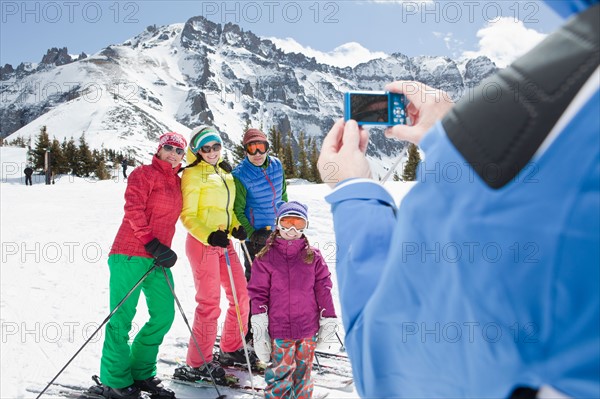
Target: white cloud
point(454, 45)
point(504, 40)
point(349, 54)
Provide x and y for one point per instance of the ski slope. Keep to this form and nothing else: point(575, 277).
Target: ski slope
point(54, 276)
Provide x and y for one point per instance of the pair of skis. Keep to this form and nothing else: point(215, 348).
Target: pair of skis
point(94, 392)
point(232, 383)
point(328, 376)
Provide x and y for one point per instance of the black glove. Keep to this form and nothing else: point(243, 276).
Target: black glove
point(163, 255)
point(239, 233)
point(218, 239)
point(259, 237)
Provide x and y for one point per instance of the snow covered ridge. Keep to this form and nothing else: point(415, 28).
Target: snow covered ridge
point(178, 76)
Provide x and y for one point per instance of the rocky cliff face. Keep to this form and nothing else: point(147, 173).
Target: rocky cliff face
point(202, 72)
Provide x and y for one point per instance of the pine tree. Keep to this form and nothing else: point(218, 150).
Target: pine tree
point(410, 168)
point(288, 158)
point(59, 163)
point(238, 151)
point(41, 146)
point(71, 155)
point(396, 176)
point(100, 171)
point(30, 154)
point(247, 125)
point(226, 158)
point(304, 172)
point(18, 142)
point(86, 158)
point(315, 176)
point(117, 158)
point(275, 142)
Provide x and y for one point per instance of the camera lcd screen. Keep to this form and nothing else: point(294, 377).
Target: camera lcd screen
point(369, 107)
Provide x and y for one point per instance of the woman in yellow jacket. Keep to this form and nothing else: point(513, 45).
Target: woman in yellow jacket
point(208, 197)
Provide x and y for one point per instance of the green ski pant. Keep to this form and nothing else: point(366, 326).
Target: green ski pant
point(121, 362)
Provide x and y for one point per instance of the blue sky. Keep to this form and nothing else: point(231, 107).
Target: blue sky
point(452, 28)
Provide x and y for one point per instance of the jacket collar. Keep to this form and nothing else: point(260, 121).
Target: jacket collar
point(165, 166)
point(207, 168)
point(263, 166)
point(289, 247)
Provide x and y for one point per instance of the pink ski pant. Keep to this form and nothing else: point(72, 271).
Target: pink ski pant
point(210, 274)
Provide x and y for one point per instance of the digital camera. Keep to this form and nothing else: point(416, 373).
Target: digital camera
point(379, 108)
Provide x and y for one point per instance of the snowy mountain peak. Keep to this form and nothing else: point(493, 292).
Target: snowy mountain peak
point(178, 76)
point(57, 57)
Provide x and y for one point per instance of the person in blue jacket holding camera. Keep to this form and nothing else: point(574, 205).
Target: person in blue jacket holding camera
point(484, 282)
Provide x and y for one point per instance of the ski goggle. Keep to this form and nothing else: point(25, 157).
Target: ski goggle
point(170, 148)
point(208, 148)
point(287, 223)
point(257, 147)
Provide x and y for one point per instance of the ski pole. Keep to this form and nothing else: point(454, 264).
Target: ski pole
point(192, 333)
point(246, 252)
point(318, 363)
point(99, 328)
point(239, 317)
point(342, 348)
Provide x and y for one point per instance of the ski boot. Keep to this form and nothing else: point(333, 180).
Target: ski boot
point(237, 359)
point(100, 391)
point(155, 388)
point(204, 372)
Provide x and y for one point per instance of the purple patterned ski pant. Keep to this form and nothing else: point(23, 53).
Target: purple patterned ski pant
point(289, 374)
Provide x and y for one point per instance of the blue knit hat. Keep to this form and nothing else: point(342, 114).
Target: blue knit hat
point(293, 208)
point(202, 135)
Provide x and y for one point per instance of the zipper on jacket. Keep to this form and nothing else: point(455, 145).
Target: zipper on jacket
point(289, 279)
point(228, 194)
point(272, 189)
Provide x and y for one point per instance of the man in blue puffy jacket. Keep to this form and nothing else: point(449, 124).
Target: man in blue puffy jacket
point(260, 189)
point(485, 282)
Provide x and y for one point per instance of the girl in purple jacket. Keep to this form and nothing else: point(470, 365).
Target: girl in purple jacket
point(290, 292)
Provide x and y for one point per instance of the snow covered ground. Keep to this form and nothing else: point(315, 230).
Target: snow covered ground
point(54, 276)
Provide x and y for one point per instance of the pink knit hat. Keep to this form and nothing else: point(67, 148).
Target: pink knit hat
point(172, 138)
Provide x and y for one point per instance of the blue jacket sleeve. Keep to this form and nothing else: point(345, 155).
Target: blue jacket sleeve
point(364, 216)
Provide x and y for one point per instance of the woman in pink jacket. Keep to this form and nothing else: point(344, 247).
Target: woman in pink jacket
point(290, 292)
